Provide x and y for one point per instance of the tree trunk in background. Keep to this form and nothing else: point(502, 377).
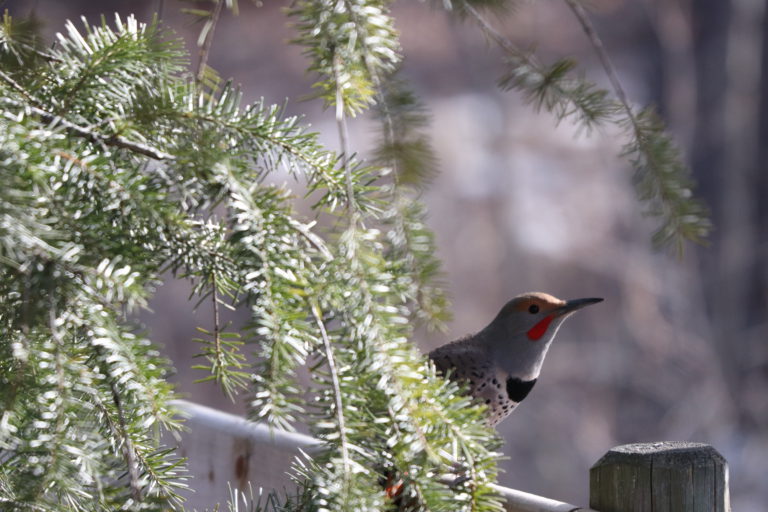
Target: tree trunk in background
point(759, 290)
point(672, 47)
point(710, 34)
point(759, 286)
point(741, 241)
point(728, 160)
point(710, 22)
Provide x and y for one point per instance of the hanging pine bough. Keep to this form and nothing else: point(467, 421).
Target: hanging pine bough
point(113, 162)
point(662, 181)
point(351, 44)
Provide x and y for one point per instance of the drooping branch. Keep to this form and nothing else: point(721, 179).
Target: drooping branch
point(662, 181)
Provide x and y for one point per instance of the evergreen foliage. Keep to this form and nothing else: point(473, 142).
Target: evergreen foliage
point(662, 180)
point(119, 164)
point(351, 44)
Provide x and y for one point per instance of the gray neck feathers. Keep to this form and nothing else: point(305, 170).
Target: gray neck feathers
point(514, 353)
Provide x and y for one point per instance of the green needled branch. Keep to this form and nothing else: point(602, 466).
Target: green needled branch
point(661, 177)
point(662, 181)
point(113, 223)
point(117, 141)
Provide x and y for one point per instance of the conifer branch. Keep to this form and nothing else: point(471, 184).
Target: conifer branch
point(60, 382)
point(312, 238)
point(114, 221)
point(19, 505)
point(117, 141)
point(661, 179)
point(18, 88)
point(494, 34)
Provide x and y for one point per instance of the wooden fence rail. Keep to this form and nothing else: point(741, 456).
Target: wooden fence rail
point(223, 449)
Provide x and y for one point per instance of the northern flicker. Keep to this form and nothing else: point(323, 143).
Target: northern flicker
point(502, 362)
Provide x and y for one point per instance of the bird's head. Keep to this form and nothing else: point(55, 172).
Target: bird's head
point(521, 333)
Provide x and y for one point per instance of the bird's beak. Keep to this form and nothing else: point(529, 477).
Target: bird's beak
point(572, 305)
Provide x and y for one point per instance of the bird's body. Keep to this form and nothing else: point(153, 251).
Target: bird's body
point(469, 360)
point(502, 362)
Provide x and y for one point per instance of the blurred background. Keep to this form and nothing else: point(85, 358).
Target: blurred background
point(679, 349)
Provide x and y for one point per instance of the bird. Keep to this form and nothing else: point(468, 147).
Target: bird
point(502, 362)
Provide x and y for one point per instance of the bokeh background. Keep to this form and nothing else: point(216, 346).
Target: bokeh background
point(679, 349)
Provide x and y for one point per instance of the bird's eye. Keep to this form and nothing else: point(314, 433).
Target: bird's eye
point(533, 309)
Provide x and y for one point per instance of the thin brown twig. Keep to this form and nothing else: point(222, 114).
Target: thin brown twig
point(491, 32)
point(216, 321)
point(205, 50)
point(605, 60)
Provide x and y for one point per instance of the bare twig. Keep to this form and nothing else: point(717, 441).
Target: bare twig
point(605, 61)
point(216, 321)
point(505, 44)
point(208, 41)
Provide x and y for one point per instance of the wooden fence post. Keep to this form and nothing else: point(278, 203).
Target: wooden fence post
point(660, 477)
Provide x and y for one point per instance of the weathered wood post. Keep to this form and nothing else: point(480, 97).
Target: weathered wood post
point(660, 477)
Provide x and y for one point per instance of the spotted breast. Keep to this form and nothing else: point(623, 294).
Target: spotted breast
point(467, 362)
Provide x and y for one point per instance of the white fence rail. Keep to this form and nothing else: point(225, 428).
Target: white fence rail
point(224, 449)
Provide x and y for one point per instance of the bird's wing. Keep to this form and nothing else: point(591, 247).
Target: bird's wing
point(468, 362)
point(462, 360)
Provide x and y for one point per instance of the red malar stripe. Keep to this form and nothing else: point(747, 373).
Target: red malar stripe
point(538, 330)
